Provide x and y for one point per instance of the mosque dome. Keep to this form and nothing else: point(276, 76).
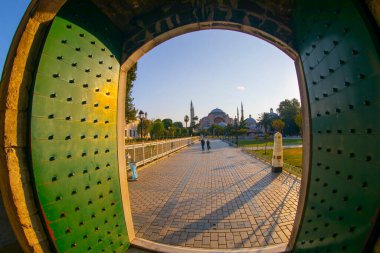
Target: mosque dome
point(273, 115)
point(250, 120)
point(217, 111)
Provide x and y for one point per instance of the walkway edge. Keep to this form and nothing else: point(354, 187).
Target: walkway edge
point(165, 248)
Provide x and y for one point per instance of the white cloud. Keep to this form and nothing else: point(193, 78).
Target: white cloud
point(241, 88)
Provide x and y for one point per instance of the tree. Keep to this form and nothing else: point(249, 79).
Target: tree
point(130, 110)
point(186, 119)
point(288, 108)
point(243, 124)
point(157, 129)
point(298, 120)
point(257, 141)
point(215, 130)
point(278, 125)
point(146, 127)
point(242, 131)
point(182, 132)
point(167, 123)
point(265, 121)
point(178, 131)
point(171, 131)
point(287, 111)
point(203, 132)
point(178, 124)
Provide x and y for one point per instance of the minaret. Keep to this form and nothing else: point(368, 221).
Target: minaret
point(242, 112)
point(192, 122)
point(237, 111)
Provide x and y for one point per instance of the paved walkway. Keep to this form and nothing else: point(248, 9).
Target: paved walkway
point(219, 199)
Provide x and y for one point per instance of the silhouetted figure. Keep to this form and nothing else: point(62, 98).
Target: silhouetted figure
point(208, 144)
point(203, 144)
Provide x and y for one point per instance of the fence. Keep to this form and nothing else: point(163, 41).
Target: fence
point(144, 153)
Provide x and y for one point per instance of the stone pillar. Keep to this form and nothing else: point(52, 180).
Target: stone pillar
point(277, 158)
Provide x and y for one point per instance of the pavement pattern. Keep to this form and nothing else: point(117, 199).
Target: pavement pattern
point(222, 199)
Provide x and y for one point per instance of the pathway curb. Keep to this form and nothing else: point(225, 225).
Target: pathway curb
point(165, 248)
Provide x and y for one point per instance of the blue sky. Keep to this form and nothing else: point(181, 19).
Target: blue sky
point(11, 13)
point(213, 68)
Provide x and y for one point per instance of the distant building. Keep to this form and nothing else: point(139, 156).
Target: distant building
point(131, 129)
point(273, 115)
point(252, 126)
point(250, 122)
point(215, 117)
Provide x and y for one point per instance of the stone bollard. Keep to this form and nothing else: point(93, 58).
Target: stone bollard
point(277, 158)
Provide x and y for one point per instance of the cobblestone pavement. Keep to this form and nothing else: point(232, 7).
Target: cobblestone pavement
point(219, 199)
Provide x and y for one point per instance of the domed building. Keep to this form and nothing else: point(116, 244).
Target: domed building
point(215, 117)
point(273, 115)
point(252, 126)
point(251, 122)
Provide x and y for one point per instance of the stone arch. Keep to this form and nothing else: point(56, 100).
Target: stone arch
point(335, 48)
point(219, 120)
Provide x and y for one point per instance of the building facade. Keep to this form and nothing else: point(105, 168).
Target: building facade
point(215, 117)
point(131, 129)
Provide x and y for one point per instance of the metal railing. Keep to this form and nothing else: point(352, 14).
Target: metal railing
point(144, 153)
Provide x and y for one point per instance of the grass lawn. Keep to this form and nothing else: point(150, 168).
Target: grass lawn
point(292, 156)
point(261, 143)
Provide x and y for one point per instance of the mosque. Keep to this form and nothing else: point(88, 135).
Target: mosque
point(215, 117)
point(219, 117)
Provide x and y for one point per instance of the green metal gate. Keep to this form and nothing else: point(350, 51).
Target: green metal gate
point(73, 126)
point(73, 132)
point(342, 71)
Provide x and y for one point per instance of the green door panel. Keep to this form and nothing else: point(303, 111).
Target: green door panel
point(73, 132)
point(342, 72)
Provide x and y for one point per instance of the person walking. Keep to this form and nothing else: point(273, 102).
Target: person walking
point(208, 144)
point(203, 144)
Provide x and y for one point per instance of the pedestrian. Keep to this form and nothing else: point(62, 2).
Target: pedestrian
point(203, 144)
point(208, 144)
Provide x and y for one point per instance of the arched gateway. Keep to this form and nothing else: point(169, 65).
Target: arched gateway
point(62, 105)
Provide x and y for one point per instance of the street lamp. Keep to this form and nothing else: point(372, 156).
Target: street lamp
point(141, 116)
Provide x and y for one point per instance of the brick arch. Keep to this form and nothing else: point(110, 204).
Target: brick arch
point(335, 49)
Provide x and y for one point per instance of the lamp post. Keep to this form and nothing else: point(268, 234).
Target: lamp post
point(141, 116)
